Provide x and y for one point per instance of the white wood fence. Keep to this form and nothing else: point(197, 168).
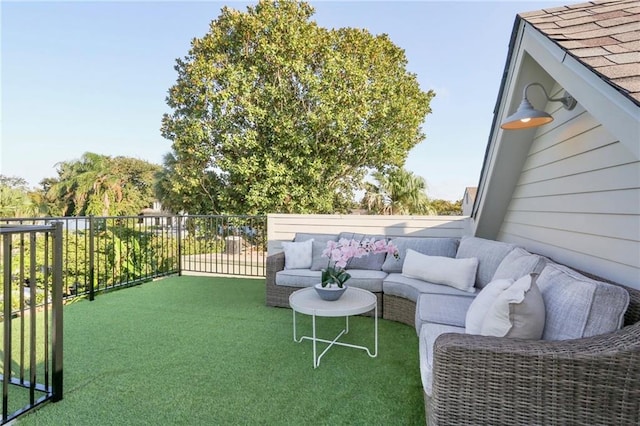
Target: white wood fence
point(283, 227)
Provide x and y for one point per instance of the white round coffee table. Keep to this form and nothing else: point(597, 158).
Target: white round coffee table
point(354, 301)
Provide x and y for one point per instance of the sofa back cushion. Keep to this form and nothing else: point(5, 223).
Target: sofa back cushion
point(577, 306)
point(318, 261)
point(371, 261)
point(519, 263)
point(304, 236)
point(489, 254)
point(445, 247)
point(319, 244)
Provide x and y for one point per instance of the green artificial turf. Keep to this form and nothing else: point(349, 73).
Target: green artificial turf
point(204, 351)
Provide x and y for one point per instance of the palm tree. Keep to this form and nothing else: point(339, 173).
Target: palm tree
point(101, 185)
point(78, 181)
point(397, 191)
point(14, 198)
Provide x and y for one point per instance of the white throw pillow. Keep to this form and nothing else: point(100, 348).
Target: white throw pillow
point(298, 255)
point(482, 303)
point(457, 273)
point(513, 309)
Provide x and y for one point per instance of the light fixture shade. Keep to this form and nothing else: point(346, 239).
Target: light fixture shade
point(526, 116)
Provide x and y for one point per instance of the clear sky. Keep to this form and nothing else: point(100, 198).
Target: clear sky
point(93, 76)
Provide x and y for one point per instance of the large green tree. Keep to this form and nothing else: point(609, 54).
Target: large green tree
point(397, 191)
point(447, 208)
point(181, 191)
point(15, 199)
point(288, 115)
point(101, 185)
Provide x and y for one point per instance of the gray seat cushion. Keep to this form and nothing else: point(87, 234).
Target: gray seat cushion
point(430, 246)
point(411, 288)
point(367, 280)
point(489, 254)
point(428, 335)
point(446, 309)
point(578, 306)
point(297, 277)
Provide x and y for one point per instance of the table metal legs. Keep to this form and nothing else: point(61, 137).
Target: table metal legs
point(315, 339)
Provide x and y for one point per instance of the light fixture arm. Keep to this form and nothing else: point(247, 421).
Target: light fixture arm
point(568, 101)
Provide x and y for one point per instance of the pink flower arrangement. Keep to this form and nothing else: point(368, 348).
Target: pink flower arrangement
point(341, 252)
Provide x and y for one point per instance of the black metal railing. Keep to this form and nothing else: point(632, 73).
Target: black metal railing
point(104, 253)
point(31, 313)
point(46, 260)
point(233, 245)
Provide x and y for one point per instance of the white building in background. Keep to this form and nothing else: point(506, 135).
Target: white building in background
point(156, 214)
point(468, 199)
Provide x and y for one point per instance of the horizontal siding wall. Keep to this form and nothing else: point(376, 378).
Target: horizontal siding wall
point(577, 200)
point(283, 227)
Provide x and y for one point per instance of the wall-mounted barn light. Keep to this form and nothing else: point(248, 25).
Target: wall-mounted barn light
point(527, 116)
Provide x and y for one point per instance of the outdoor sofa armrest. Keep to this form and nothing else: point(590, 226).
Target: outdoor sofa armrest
point(502, 381)
point(275, 263)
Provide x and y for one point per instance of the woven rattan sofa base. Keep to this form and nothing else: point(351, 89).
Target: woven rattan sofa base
point(501, 381)
point(399, 309)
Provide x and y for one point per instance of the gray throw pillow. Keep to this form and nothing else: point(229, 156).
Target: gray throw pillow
point(318, 261)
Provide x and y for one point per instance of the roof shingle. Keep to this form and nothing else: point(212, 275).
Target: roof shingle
point(603, 35)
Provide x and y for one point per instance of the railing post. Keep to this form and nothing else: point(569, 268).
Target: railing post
point(57, 318)
point(6, 374)
point(179, 222)
point(91, 259)
point(32, 317)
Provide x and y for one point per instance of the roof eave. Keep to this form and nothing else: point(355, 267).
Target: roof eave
point(514, 41)
point(533, 56)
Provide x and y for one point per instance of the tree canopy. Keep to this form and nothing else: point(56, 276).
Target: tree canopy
point(101, 185)
point(176, 191)
point(15, 198)
point(287, 116)
point(397, 191)
point(447, 208)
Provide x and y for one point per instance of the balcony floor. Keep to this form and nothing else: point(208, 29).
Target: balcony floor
point(203, 350)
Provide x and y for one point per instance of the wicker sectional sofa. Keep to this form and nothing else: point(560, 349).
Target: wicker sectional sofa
point(585, 368)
